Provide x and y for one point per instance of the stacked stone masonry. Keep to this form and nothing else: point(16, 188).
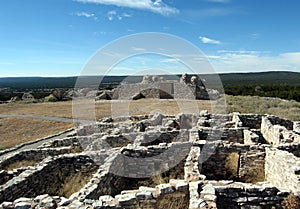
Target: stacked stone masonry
point(160, 161)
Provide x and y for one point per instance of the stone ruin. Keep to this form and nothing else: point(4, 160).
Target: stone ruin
point(160, 161)
point(188, 87)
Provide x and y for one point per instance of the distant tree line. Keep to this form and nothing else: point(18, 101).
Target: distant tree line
point(283, 91)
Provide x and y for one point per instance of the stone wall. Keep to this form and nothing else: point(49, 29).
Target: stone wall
point(296, 127)
point(282, 169)
point(253, 136)
point(206, 152)
point(46, 178)
point(184, 91)
point(127, 91)
point(238, 195)
point(33, 155)
point(278, 132)
point(147, 162)
point(251, 121)
point(237, 162)
point(252, 164)
point(281, 122)
point(291, 148)
point(163, 90)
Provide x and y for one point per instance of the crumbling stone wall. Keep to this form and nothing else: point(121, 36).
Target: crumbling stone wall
point(239, 195)
point(47, 178)
point(237, 162)
point(160, 88)
point(33, 155)
point(253, 136)
point(291, 148)
point(252, 164)
point(282, 169)
point(277, 131)
point(252, 121)
point(281, 122)
point(144, 144)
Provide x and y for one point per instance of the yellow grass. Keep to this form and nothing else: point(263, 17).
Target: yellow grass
point(19, 164)
point(59, 109)
point(15, 131)
point(18, 130)
point(172, 201)
point(74, 183)
point(247, 104)
point(232, 165)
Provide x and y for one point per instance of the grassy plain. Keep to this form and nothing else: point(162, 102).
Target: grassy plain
point(16, 130)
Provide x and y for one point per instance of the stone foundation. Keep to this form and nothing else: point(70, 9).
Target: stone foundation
point(162, 161)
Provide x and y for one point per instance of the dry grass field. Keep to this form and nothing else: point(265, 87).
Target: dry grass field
point(18, 130)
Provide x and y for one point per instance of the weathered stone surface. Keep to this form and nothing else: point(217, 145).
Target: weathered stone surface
point(103, 96)
point(211, 152)
point(163, 189)
point(22, 205)
point(138, 96)
point(27, 97)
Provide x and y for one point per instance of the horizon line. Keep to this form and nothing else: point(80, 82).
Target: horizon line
point(114, 75)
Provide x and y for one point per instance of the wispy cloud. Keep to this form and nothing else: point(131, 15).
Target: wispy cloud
point(137, 49)
point(207, 40)
point(212, 12)
point(126, 14)
point(242, 52)
point(170, 60)
point(111, 15)
point(85, 14)
point(251, 62)
point(158, 6)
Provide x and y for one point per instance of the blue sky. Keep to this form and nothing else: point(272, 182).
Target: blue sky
point(58, 37)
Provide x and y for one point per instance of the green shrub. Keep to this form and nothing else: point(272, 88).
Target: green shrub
point(50, 98)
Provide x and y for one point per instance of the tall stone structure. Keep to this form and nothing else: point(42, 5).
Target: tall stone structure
point(157, 87)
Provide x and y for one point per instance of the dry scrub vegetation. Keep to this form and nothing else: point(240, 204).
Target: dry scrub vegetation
point(291, 202)
point(19, 164)
point(15, 131)
point(232, 165)
point(74, 183)
point(253, 104)
point(18, 130)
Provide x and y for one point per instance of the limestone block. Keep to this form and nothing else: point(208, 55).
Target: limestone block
point(162, 189)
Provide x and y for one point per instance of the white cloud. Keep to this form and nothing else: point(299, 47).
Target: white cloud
point(206, 40)
point(243, 52)
point(157, 6)
point(85, 14)
point(111, 15)
point(137, 49)
point(170, 60)
point(254, 62)
point(126, 15)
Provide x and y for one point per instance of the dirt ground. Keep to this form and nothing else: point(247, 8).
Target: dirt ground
point(19, 130)
point(16, 130)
